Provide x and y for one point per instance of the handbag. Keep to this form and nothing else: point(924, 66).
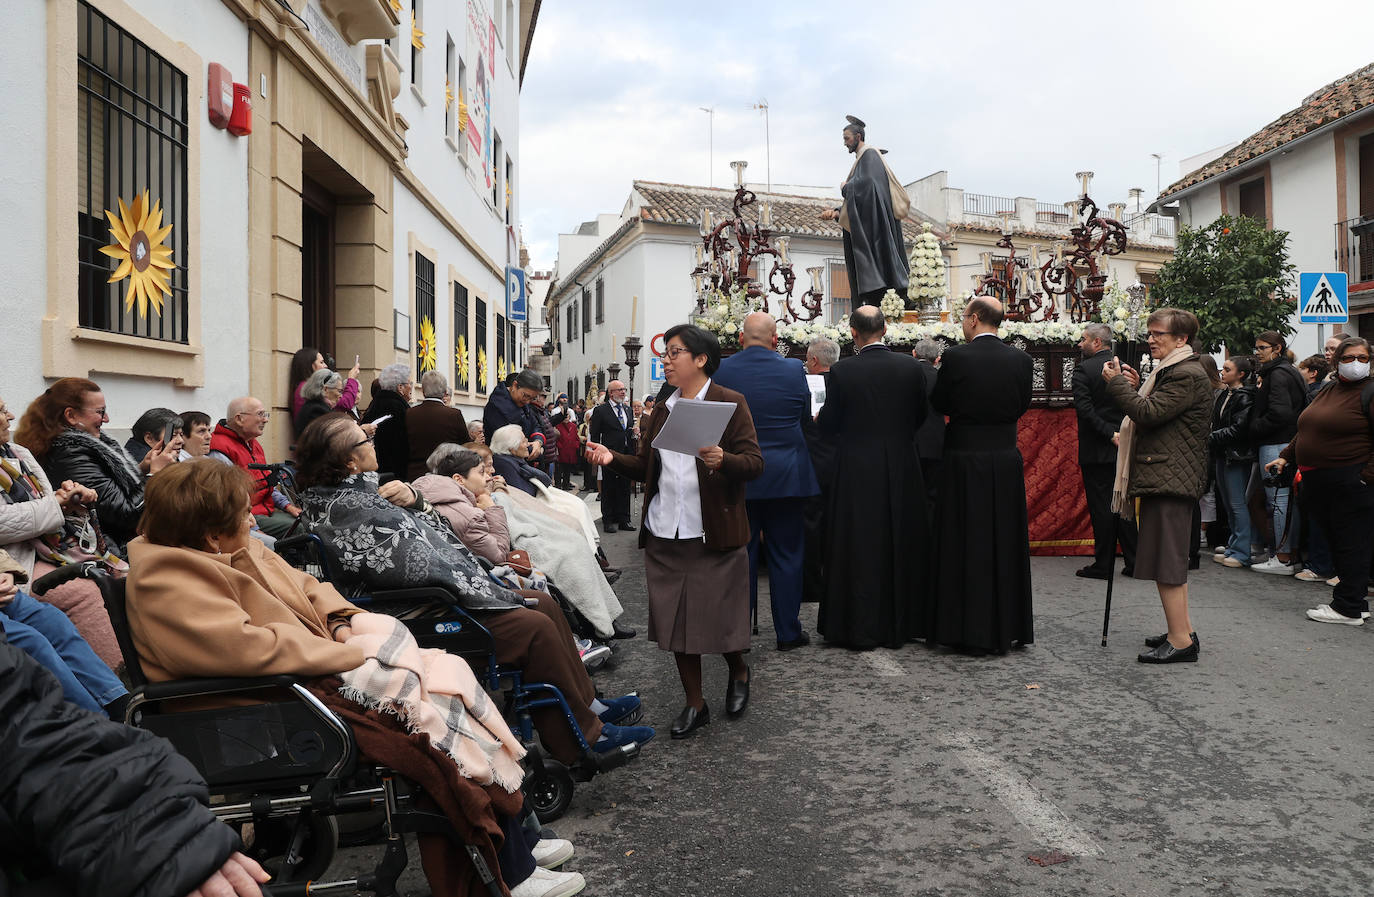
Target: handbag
point(519, 561)
point(78, 541)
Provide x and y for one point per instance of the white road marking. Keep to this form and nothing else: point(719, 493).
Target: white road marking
point(1027, 805)
point(884, 664)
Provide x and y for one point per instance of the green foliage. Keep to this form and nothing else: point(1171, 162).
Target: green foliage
point(1235, 276)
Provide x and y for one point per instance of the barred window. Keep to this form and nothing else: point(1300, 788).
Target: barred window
point(586, 312)
point(132, 131)
point(501, 344)
point(426, 352)
point(479, 347)
point(461, 366)
point(600, 301)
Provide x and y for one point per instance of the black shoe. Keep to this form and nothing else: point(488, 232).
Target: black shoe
point(1155, 641)
point(608, 527)
point(621, 631)
point(800, 641)
point(1092, 571)
point(689, 720)
point(611, 576)
point(1195, 563)
point(1128, 572)
point(737, 695)
point(628, 527)
point(1167, 653)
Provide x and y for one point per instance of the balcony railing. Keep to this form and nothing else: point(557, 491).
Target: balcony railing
point(987, 205)
point(1355, 248)
point(1154, 225)
point(1049, 213)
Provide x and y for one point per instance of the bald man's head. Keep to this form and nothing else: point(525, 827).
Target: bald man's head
point(759, 330)
point(868, 323)
point(987, 310)
point(246, 416)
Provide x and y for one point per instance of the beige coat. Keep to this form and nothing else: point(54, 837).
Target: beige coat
point(195, 613)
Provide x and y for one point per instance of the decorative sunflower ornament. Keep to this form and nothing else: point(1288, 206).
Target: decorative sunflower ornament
point(482, 369)
point(426, 348)
point(448, 94)
point(143, 258)
point(417, 37)
point(501, 369)
point(460, 360)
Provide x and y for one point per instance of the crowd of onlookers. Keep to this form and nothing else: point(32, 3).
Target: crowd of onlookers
point(402, 490)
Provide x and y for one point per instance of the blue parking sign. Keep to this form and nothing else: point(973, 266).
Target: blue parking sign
point(656, 369)
point(515, 294)
point(1323, 297)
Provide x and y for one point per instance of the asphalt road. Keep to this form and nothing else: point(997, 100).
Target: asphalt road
point(923, 772)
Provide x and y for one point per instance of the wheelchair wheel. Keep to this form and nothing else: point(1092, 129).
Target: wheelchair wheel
point(550, 790)
point(272, 837)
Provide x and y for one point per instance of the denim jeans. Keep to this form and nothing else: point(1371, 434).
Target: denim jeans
point(45, 634)
point(1277, 501)
point(1232, 477)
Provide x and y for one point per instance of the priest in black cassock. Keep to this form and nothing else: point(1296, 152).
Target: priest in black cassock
point(982, 594)
point(871, 217)
point(878, 547)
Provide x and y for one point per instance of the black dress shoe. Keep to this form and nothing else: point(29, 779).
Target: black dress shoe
point(619, 631)
point(1167, 653)
point(1128, 572)
point(800, 641)
point(1092, 571)
point(628, 527)
point(1155, 641)
point(608, 527)
point(737, 695)
point(689, 720)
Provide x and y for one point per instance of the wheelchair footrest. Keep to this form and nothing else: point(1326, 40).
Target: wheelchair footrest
point(594, 764)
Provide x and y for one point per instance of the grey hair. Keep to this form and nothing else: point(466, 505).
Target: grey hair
point(433, 385)
point(505, 438)
point(927, 349)
point(825, 350)
point(450, 458)
point(528, 379)
point(393, 375)
point(318, 382)
point(474, 427)
point(1099, 331)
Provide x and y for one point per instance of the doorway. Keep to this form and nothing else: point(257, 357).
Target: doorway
point(317, 268)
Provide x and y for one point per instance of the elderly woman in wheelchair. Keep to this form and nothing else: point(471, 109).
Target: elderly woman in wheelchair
point(388, 537)
point(206, 600)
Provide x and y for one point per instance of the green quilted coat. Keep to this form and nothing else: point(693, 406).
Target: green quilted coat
point(1172, 425)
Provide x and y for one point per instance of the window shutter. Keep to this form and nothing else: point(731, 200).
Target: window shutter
point(1367, 176)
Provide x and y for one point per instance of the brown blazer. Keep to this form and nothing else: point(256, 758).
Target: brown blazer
point(428, 426)
point(723, 514)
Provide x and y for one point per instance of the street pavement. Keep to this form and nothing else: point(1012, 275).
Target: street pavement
point(1065, 768)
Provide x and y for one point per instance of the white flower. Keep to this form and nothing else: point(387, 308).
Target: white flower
point(1121, 313)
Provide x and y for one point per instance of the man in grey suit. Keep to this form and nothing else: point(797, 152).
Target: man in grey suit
point(1099, 420)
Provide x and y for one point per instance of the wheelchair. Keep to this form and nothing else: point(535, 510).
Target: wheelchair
point(287, 764)
point(433, 616)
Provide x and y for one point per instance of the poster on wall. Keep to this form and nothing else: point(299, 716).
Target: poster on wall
point(481, 39)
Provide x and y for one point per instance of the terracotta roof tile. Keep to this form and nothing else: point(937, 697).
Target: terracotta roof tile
point(792, 214)
point(1351, 94)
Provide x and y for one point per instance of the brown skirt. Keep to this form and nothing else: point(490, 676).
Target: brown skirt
point(698, 597)
point(1162, 550)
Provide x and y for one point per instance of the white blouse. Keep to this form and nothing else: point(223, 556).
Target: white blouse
point(675, 510)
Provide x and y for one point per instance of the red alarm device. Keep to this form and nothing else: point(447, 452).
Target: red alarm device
point(219, 95)
point(241, 121)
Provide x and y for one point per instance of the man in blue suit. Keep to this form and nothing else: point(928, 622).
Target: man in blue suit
point(779, 400)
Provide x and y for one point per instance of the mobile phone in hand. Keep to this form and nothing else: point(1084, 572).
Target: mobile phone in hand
point(168, 432)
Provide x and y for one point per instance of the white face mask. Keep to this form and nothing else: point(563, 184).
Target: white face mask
point(1353, 370)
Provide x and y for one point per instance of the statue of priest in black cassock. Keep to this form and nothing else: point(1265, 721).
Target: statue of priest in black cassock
point(982, 590)
point(871, 217)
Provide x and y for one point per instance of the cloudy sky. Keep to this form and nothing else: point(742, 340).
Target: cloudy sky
point(1008, 98)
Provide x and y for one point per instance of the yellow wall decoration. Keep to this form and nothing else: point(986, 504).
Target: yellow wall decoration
point(396, 5)
point(417, 37)
point(482, 369)
point(143, 258)
point(427, 348)
point(501, 369)
point(460, 361)
point(448, 94)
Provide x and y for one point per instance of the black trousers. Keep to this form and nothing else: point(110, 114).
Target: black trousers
point(564, 472)
point(1343, 507)
point(813, 570)
point(615, 497)
point(1097, 485)
point(930, 472)
point(589, 476)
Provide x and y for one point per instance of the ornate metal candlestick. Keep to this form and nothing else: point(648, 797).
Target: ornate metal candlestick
point(1093, 234)
point(1006, 282)
point(631, 347)
point(730, 247)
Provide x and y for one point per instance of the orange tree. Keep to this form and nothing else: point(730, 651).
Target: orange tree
point(1234, 274)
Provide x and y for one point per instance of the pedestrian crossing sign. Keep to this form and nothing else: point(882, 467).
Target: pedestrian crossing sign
point(1322, 298)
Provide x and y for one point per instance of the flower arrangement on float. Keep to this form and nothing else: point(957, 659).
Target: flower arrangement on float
point(1125, 310)
point(926, 286)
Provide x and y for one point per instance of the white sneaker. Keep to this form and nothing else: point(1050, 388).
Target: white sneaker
point(1309, 575)
point(1323, 613)
point(550, 853)
point(1334, 581)
point(1220, 549)
point(1227, 560)
point(1275, 566)
point(544, 883)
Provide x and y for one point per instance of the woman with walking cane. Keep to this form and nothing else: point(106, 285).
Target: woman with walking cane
point(1161, 468)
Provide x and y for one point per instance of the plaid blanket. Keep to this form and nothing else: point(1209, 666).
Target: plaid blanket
point(434, 694)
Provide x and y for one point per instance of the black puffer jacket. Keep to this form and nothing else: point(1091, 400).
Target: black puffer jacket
point(107, 468)
point(1231, 413)
point(1280, 398)
point(98, 806)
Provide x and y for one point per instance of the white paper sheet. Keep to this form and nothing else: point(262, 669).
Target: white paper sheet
point(817, 385)
point(694, 424)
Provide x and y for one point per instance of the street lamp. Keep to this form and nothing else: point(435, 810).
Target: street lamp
point(614, 370)
point(631, 347)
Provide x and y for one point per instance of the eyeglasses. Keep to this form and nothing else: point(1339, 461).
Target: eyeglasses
point(1260, 347)
point(1157, 334)
point(364, 442)
point(1350, 358)
point(260, 415)
point(675, 351)
point(100, 411)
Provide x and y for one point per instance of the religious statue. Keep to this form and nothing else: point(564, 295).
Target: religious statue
point(871, 216)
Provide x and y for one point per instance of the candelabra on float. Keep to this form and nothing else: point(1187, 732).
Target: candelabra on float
point(1008, 283)
point(730, 247)
point(1091, 236)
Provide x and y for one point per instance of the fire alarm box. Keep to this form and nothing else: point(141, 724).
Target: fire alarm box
point(220, 95)
point(241, 120)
